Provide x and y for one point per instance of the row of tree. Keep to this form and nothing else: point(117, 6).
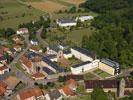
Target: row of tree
point(6, 33)
point(114, 38)
point(34, 26)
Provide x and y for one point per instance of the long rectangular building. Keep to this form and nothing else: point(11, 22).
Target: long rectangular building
point(83, 54)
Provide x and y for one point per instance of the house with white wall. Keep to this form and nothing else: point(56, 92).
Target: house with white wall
point(66, 22)
point(83, 54)
point(84, 18)
point(22, 31)
point(84, 67)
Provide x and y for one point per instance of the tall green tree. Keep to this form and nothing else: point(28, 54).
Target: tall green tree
point(98, 94)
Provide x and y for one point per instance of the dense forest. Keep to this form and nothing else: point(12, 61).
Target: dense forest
point(114, 36)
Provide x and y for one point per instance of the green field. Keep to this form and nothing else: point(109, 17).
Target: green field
point(101, 73)
point(75, 36)
point(89, 76)
point(12, 13)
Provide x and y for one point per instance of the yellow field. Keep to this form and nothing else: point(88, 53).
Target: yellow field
point(48, 6)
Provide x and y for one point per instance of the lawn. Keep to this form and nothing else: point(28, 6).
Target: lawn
point(74, 61)
point(75, 35)
point(13, 13)
point(69, 62)
point(89, 76)
point(20, 86)
point(80, 88)
point(18, 65)
point(101, 73)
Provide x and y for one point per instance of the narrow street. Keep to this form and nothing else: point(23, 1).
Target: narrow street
point(41, 41)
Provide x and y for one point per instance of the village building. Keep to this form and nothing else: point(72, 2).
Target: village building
point(18, 40)
point(3, 69)
point(66, 22)
point(119, 87)
point(90, 62)
point(54, 95)
point(52, 66)
point(30, 94)
point(84, 18)
point(27, 64)
point(69, 88)
point(18, 48)
point(38, 76)
point(3, 59)
point(84, 67)
point(12, 82)
point(83, 54)
point(34, 42)
point(109, 66)
point(3, 88)
point(36, 49)
point(22, 31)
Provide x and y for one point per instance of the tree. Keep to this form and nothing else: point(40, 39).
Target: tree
point(114, 36)
point(61, 79)
point(50, 84)
point(73, 9)
point(85, 41)
point(99, 94)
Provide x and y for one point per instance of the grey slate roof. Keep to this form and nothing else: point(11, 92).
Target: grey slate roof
point(66, 20)
point(53, 65)
point(51, 56)
point(54, 95)
point(85, 52)
point(54, 47)
point(48, 71)
point(110, 63)
point(31, 55)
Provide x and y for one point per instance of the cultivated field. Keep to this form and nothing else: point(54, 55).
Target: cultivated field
point(13, 13)
point(48, 6)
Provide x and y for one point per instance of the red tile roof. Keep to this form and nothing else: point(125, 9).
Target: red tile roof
point(71, 82)
point(68, 91)
point(26, 61)
point(38, 75)
point(68, 88)
point(35, 92)
point(37, 59)
point(3, 87)
point(3, 68)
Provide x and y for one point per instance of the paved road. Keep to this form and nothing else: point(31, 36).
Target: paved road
point(41, 41)
point(19, 74)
